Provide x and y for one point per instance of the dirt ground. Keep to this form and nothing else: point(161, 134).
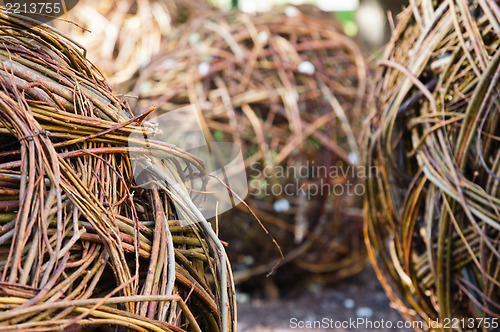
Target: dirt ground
point(358, 297)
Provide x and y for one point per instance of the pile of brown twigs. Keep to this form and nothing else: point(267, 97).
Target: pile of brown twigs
point(290, 88)
point(81, 245)
point(433, 211)
point(120, 36)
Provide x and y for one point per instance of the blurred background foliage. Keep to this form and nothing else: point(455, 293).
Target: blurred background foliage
point(365, 19)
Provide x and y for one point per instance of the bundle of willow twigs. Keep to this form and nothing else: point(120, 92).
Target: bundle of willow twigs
point(289, 88)
point(122, 35)
point(81, 245)
point(433, 211)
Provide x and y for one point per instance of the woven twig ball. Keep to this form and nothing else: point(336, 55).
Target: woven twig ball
point(289, 88)
point(433, 208)
point(81, 244)
point(120, 36)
